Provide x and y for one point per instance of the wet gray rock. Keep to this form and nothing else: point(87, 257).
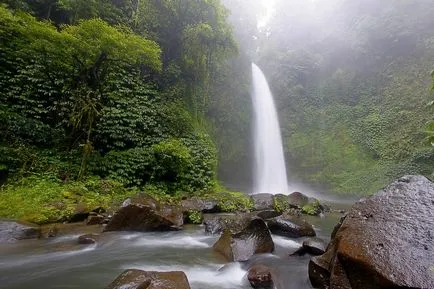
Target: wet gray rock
point(385, 241)
point(12, 231)
point(268, 214)
point(298, 200)
point(139, 217)
point(312, 246)
point(138, 279)
point(254, 239)
point(201, 205)
point(290, 226)
point(262, 202)
point(216, 224)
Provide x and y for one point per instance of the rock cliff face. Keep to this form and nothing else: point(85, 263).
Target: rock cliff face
point(385, 241)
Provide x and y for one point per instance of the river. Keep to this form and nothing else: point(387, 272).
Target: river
point(61, 263)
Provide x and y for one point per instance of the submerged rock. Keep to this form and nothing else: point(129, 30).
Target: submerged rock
point(11, 231)
point(260, 276)
point(262, 202)
point(290, 226)
point(139, 217)
point(385, 241)
point(254, 239)
point(88, 239)
point(138, 279)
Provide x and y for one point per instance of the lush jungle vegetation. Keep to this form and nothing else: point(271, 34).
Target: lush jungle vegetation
point(102, 98)
point(99, 97)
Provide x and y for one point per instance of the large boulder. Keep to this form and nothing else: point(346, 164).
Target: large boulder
point(201, 205)
point(139, 217)
point(386, 241)
point(11, 231)
point(138, 279)
point(290, 226)
point(298, 200)
point(254, 239)
point(216, 224)
point(262, 202)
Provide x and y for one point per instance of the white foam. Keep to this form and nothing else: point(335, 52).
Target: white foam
point(285, 242)
point(204, 276)
point(173, 242)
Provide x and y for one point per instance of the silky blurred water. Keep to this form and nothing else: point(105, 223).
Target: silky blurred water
point(62, 263)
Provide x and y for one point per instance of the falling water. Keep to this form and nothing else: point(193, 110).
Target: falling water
point(270, 171)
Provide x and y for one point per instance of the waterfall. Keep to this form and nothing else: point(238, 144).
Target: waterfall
point(270, 171)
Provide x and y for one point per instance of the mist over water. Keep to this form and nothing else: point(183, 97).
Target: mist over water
point(270, 171)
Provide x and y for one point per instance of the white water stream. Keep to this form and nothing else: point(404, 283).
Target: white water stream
point(270, 171)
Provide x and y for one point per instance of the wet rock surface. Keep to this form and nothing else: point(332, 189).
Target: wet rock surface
point(268, 214)
point(254, 239)
point(138, 279)
point(386, 241)
point(290, 226)
point(88, 239)
point(146, 217)
point(262, 202)
point(312, 246)
point(12, 231)
point(201, 205)
point(94, 219)
point(216, 224)
point(298, 200)
point(260, 276)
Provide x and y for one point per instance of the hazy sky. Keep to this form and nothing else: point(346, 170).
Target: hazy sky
point(269, 7)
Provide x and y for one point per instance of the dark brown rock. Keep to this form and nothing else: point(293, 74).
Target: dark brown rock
point(385, 241)
point(268, 214)
point(142, 199)
point(215, 224)
point(290, 226)
point(262, 202)
point(94, 220)
point(88, 239)
point(138, 279)
point(312, 246)
point(11, 231)
point(298, 200)
point(81, 212)
point(138, 217)
point(260, 276)
point(254, 239)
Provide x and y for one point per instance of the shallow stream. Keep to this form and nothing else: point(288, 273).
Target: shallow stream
point(61, 263)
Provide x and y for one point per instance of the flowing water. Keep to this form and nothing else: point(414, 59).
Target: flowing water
point(270, 171)
point(62, 263)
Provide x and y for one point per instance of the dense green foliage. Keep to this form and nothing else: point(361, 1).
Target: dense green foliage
point(115, 90)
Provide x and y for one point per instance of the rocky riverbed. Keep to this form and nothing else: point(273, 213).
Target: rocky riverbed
point(385, 241)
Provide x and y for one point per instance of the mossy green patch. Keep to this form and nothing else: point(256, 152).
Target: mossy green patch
point(312, 209)
point(231, 201)
point(46, 200)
